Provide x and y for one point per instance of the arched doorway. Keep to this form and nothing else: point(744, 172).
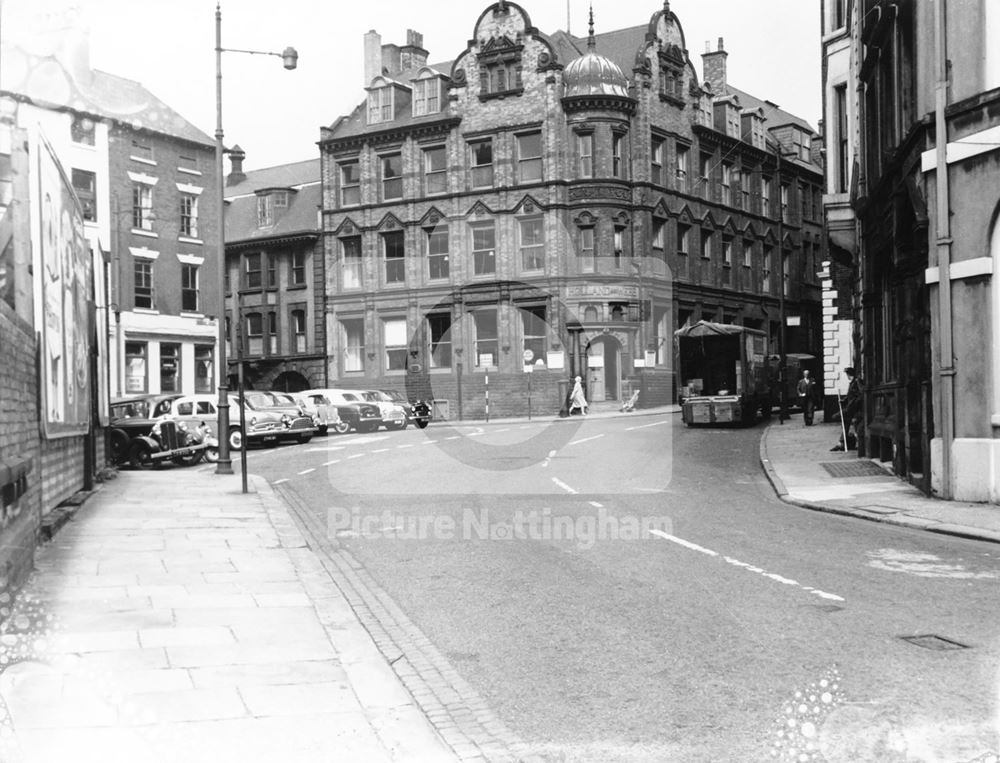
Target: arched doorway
point(291, 381)
point(604, 369)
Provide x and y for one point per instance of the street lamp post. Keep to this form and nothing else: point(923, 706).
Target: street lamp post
point(290, 60)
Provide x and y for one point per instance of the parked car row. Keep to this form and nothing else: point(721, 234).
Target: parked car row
point(138, 434)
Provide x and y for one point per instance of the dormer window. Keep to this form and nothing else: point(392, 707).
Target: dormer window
point(380, 104)
point(672, 66)
point(802, 144)
point(269, 204)
point(500, 68)
point(426, 95)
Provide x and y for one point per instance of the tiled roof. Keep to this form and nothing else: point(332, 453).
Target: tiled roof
point(356, 124)
point(281, 176)
point(619, 45)
point(298, 218)
point(47, 82)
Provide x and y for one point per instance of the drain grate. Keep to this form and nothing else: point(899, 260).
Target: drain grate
point(859, 468)
point(936, 643)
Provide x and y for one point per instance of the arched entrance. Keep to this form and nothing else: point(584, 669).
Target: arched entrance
point(604, 375)
point(291, 381)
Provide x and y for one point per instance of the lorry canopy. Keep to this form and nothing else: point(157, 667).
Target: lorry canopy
point(707, 328)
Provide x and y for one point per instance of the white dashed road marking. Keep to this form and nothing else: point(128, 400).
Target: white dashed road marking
point(358, 455)
point(748, 567)
point(306, 471)
point(408, 445)
point(596, 505)
point(278, 482)
point(564, 486)
point(587, 439)
point(548, 458)
point(644, 426)
point(381, 450)
point(331, 463)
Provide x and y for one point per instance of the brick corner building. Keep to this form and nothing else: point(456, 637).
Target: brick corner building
point(545, 206)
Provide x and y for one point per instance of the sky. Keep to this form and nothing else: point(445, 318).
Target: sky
point(275, 115)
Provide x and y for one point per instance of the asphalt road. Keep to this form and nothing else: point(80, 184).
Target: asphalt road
point(735, 628)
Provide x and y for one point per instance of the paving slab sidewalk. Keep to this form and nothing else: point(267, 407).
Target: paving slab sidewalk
point(177, 619)
point(793, 456)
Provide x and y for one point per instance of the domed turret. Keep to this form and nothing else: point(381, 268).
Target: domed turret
point(593, 75)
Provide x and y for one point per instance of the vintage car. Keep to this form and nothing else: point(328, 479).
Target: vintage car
point(264, 427)
point(418, 412)
point(143, 434)
point(323, 414)
point(299, 426)
point(339, 423)
point(392, 414)
point(358, 413)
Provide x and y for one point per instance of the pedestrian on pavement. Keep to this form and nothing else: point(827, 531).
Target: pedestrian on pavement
point(807, 397)
point(577, 399)
point(850, 413)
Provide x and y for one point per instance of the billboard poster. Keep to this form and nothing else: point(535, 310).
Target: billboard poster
point(62, 265)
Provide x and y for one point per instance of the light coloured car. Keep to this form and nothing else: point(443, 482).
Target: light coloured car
point(354, 411)
point(323, 414)
point(261, 426)
point(393, 414)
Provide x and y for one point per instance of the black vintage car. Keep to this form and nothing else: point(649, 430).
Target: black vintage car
point(138, 435)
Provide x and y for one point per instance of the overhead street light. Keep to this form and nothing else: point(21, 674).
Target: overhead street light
point(289, 57)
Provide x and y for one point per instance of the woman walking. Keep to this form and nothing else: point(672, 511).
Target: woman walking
point(577, 399)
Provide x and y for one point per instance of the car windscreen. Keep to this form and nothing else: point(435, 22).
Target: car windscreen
point(258, 400)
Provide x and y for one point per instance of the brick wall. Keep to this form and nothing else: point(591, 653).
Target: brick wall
point(19, 442)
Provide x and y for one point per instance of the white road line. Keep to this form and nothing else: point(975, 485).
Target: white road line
point(428, 442)
point(498, 431)
point(326, 450)
point(682, 542)
point(278, 482)
point(748, 567)
point(381, 450)
point(587, 439)
point(596, 505)
point(331, 463)
point(564, 486)
point(454, 437)
point(306, 471)
point(644, 426)
point(476, 434)
point(358, 455)
point(408, 445)
point(548, 458)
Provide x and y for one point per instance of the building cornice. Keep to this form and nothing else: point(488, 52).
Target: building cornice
point(394, 134)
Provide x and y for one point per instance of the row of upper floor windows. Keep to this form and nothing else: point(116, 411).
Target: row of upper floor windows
point(474, 249)
point(722, 180)
point(260, 270)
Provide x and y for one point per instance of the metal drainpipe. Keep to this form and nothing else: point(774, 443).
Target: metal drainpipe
point(942, 225)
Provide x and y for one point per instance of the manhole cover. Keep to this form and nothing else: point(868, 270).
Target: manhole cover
point(859, 468)
point(937, 643)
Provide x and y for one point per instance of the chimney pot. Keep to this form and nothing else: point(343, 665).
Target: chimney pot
point(236, 157)
point(721, 46)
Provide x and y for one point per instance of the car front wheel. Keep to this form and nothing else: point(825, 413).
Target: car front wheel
point(140, 455)
point(422, 424)
point(235, 439)
point(341, 427)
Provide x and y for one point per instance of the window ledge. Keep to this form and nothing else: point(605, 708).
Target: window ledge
point(141, 160)
point(145, 311)
point(187, 314)
point(187, 171)
point(145, 233)
point(186, 240)
point(500, 94)
point(297, 287)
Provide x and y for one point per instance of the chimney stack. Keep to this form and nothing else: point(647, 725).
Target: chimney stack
point(413, 55)
point(713, 64)
point(373, 56)
point(236, 157)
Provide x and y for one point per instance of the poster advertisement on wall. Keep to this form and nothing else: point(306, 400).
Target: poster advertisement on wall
point(62, 264)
